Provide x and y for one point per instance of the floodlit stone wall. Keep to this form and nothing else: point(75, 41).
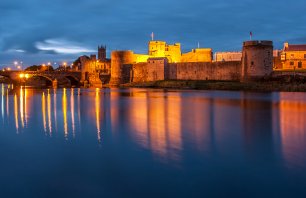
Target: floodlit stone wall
point(205, 71)
point(198, 55)
point(161, 70)
point(257, 59)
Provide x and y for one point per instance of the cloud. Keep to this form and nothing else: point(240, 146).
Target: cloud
point(16, 50)
point(62, 46)
point(35, 26)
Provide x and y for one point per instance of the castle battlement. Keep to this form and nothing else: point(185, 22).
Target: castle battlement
point(257, 43)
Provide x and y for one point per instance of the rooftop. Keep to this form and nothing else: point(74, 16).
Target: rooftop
point(301, 47)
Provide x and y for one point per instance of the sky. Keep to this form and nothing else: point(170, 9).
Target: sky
point(41, 31)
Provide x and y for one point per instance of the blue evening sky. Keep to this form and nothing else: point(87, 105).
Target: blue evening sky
point(39, 31)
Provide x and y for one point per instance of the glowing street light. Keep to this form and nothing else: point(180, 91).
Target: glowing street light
point(65, 64)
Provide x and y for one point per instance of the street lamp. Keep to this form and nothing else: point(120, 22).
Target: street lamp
point(24, 77)
point(65, 64)
point(49, 64)
point(18, 65)
point(43, 67)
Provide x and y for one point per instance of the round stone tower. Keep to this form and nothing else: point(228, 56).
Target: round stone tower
point(121, 64)
point(257, 60)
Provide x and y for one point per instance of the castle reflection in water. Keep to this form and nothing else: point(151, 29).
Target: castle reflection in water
point(163, 121)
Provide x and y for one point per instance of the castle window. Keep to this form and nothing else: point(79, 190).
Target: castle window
point(252, 63)
point(300, 64)
point(291, 63)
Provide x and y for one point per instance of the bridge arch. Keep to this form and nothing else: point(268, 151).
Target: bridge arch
point(48, 80)
point(74, 81)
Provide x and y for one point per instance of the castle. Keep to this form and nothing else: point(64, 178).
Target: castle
point(95, 71)
point(293, 57)
point(167, 62)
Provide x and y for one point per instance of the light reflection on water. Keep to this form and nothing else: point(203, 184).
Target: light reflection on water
point(156, 119)
point(174, 126)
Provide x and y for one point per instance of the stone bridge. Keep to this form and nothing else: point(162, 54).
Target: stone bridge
point(53, 78)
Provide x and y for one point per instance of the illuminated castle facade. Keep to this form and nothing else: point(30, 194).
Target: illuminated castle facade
point(160, 49)
point(165, 61)
point(95, 71)
point(293, 57)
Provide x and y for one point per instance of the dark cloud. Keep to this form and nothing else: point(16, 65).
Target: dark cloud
point(121, 24)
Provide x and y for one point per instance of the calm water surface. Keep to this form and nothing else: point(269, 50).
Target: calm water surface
point(151, 143)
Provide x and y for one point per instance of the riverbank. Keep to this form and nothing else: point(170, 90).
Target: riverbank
point(280, 85)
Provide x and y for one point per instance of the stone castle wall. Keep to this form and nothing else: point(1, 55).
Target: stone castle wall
point(139, 72)
point(121, 62)
point(257, 59)
point(160, 70)
point(198, 55)
point(257, 62)
point(205, 71)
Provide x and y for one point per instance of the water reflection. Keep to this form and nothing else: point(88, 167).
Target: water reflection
point(2, 101)
point(166, 123)
point(49, 112)
point(7, 103)
point(292, 117)
point(72, 111)
point(257, 124)
point(156, 122)
point(55, 108)
point(97, 108)
point(64, 108)
point(16, 113)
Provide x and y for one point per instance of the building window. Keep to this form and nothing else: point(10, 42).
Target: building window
point(291, 63)
point(304, 56)
point(292, 55)
point(300, 64)
point(252, 63)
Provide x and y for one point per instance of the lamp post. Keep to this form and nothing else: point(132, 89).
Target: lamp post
point(43, 67)
point(18, 65)
point(49, 64)
point(65, 64)
point(15, 63)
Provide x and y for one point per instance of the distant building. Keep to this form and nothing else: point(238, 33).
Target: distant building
point(198, 55)
point(228, 56)
point(293, 56)
point(94, 69)
point(160, 49)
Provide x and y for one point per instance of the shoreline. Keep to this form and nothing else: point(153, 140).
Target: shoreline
point(279, 85)
point(259, 86)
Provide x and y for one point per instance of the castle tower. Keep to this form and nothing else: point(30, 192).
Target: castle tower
point(121, 62)
point(257, 60)
point(160, 49)
point(102, 53)
point(157, 48)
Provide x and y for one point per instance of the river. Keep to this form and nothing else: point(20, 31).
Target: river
point(151, 143)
